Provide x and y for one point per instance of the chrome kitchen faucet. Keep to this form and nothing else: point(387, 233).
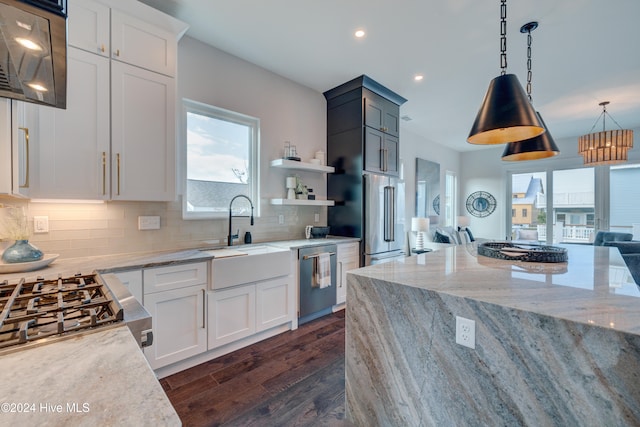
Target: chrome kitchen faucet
point(231, 236)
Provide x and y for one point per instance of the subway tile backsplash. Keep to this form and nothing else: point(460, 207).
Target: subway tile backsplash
point(92, 229)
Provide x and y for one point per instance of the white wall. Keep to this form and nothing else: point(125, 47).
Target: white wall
point(287, 112)
point(412, 146)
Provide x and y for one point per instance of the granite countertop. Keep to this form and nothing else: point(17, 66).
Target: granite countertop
point(97, 378)
point(593, 287)
point(138, 260)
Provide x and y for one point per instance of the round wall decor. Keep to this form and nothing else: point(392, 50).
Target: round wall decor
point(436, 205)
point(481, 204)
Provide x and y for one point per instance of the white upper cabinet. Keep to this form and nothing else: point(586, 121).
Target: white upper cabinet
point(116, 139)
point(89, 27)
point(76, 140)
point(123, 35)
point(143, 159)
point(138, 43)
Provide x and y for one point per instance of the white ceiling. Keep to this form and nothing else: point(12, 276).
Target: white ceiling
point(583, 52)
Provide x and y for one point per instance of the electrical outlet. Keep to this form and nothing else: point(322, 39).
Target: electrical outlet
point(465, 332)
point(40, 224)
point(148, 223)
point(316, 218)
point(280, 219)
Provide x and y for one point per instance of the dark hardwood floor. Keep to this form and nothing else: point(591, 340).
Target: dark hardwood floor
point(292, 379)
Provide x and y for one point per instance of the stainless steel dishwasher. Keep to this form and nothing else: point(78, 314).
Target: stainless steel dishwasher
point(314, 300)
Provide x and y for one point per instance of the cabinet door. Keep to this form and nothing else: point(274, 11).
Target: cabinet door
point(373, 150)
point(133, 281)
point(232, 315)
point(273, 303)
point(139, 43)
point(373, 111)
point(25, 143)
point(347, 259)
point(162, 279)
point(381, 114)
point(75, 141)
point(142, 135)
point(88, 26)
point(390, 155)
point(15, 155)
point(179, 325)
point(5, 147)
point(380, 152)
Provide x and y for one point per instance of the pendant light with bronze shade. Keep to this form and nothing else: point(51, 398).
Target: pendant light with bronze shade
point(541, 146)
point(606, 147)
point(506, 115)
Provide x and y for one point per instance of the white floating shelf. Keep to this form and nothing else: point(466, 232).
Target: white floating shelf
point(302, 202)
point(292, 164)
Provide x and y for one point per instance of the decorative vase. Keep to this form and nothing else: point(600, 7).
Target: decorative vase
point(22, 251)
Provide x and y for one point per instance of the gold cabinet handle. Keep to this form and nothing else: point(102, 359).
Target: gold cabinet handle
point(118, 170)
point(102, 48)
point(117, 52)
point(104, 173)
point(26, 149)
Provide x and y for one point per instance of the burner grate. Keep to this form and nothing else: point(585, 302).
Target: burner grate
point(46, 308)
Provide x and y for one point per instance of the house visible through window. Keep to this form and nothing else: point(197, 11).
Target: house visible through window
point(221, 161)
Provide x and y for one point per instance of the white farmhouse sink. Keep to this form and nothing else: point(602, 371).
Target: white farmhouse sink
point(253, 263)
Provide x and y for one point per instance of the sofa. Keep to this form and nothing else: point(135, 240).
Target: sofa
point(630, 251)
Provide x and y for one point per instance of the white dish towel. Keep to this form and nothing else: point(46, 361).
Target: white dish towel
point(323, 270)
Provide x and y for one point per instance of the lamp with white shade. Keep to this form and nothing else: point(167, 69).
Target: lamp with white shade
point(419, 225)
point(463, 222)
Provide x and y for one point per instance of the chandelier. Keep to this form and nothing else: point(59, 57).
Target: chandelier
point(606, 147)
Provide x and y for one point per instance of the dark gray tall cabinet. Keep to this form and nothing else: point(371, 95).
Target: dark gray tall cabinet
point(363, 124)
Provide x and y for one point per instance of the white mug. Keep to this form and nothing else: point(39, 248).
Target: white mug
point(307, 231)
point(320, 156)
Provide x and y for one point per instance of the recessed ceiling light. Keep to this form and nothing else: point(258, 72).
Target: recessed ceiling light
point(359, 34)
point(418, 77)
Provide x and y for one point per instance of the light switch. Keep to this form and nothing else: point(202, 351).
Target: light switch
point(40, 224)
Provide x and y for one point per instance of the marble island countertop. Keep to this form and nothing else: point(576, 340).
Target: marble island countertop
point(555, 344)
point(594, 287)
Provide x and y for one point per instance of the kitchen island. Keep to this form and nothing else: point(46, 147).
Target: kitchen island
point(555, 344)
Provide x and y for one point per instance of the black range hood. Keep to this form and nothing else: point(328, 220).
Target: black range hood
point(33, 51)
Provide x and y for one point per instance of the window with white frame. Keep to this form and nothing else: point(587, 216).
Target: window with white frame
point(451, 195)
point(221, 161)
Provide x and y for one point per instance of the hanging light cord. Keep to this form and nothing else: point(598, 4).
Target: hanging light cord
point(529, 73)
point(604, 115)
point(503, 37)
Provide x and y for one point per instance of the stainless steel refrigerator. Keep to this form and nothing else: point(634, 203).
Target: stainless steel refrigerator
point(383, 234)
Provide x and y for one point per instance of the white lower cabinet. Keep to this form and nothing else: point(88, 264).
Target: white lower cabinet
point(175, 298)
point(347, 259)
point(232, 315)
point(244, 310)
point(179, 325)
point(273, 303)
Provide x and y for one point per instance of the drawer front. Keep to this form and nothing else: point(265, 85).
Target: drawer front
point(174, 277)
